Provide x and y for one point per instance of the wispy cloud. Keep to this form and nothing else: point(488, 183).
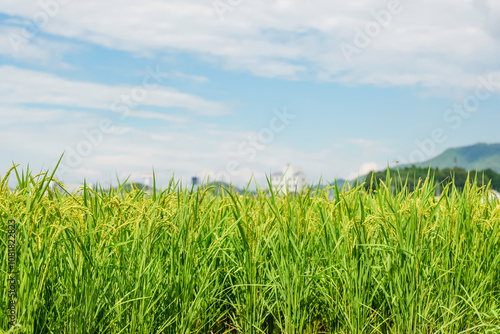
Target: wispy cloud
point(156, 115)
point(15, 115)
point(39, 51)
point(189, 77)
point(21, 86)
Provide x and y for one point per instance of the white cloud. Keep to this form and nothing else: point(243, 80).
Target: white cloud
point(433, 44)
point(365, 169)
point(42, 133)
point(20, 86)
point(11, 115)
point(156, 115)
point(36, 51)
point(189, 77)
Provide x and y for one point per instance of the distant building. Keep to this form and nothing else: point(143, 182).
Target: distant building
point(194, 180)
point(292, 179)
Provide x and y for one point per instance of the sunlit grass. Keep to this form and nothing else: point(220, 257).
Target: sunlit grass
point(181, 260)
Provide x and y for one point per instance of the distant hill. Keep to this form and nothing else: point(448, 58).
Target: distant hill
point(476, 157)
point(340, 183)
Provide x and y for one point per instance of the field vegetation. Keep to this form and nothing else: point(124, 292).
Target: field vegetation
point(411, 176)
point(376, 259)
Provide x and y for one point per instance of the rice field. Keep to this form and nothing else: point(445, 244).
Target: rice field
point(183, 260)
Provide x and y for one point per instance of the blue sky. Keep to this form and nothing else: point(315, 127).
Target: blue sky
point(235, 89)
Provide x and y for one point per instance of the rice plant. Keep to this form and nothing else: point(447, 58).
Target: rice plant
point(378, 259)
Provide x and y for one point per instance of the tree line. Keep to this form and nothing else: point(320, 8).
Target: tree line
point(412, 175)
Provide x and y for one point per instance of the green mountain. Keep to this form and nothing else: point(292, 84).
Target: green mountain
point(476, 157)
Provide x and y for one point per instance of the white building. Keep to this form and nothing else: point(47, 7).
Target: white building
point(291, 179)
